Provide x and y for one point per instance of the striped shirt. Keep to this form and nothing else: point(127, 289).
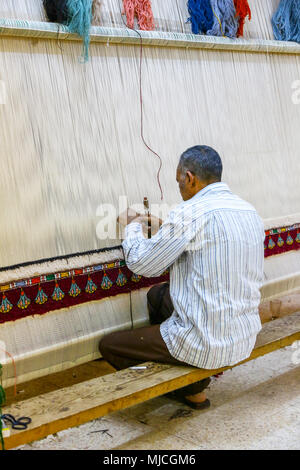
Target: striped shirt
point(213, 245)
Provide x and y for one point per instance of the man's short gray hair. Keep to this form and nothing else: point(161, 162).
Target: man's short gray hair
point(203, 161)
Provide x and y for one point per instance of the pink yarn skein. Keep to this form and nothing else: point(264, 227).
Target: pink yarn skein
point(142, 10)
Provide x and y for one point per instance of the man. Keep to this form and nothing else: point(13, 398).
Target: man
point(213, 244)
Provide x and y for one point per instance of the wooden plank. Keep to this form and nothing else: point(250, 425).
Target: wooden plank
point(80, 403)
point(57, 380)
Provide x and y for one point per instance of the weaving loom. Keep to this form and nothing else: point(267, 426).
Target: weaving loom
point(70, 142)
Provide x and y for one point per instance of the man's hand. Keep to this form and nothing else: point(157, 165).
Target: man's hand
point(127, 217)
point(150, 224)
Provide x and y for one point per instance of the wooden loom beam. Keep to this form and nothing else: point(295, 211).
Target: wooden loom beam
point(44, 30)
point(83, 402)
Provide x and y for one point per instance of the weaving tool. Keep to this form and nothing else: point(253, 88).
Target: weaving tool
point(147, 213)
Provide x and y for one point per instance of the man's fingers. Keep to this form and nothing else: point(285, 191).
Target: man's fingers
point(127, 217)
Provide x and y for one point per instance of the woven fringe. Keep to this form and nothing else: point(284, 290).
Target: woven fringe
point(60, 264)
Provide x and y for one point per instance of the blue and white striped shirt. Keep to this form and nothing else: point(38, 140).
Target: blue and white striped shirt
point(213, 244)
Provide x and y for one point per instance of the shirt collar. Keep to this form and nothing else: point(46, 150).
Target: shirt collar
point(212, 188)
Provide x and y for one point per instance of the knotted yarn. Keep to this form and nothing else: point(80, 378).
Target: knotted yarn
point(286, 21)
point(142, 9)
point(225, 20)
point(76, 14)
point(202, 17)
point(79, 21)
point(242, 11)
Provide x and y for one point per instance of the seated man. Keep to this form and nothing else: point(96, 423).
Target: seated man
point(213, 244)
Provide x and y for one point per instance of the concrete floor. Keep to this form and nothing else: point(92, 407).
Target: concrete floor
point(254, 406)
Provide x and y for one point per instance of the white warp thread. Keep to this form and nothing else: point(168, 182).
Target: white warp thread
point(70, 142)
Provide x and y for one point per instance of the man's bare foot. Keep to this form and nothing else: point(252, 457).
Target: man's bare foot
point(197, 398)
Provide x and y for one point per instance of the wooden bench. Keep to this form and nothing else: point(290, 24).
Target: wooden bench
point(77, 404)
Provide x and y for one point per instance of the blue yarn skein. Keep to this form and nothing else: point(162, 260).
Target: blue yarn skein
point(286, 21)
point(79, 20)
point(202, 17)
point(226, 12)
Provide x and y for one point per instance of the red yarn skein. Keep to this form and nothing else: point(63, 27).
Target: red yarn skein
point(242, 11)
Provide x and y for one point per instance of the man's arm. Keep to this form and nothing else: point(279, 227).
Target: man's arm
point(151, 257)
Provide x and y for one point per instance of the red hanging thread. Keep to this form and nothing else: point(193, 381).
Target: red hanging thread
point(142, 10)
point(131, 4)
point(242, 11)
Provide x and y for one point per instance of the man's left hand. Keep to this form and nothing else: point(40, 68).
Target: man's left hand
point(127, 217)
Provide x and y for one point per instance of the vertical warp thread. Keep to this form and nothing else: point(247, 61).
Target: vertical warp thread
point(2, 402)
point(242, 11)
point(202, 17)
point(286, 21)
point(225, 22)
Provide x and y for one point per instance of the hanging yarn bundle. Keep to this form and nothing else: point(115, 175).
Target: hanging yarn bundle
point(56, 10)
point(225, 20)
point(76, 14)
point(96, 12)
point(142, 10)
point(202, 17)
point(80, 18)
point(286, 21)
point(242, 11)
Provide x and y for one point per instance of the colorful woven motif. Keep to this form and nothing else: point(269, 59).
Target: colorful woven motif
point(121, 279)
point(58, 294)
point(90, 287)
point(53, 292)
point(5, 306)
point(41, 297)
point(74, 289)
point(42, 294)
point(280, 240)
point(24, 301)
point(106, 282)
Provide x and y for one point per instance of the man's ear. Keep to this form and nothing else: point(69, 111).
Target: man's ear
point(191, 177)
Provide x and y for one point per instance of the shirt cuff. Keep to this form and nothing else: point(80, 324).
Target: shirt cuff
point(133, 230)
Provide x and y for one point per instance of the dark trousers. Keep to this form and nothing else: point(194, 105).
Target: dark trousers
point(128, 348)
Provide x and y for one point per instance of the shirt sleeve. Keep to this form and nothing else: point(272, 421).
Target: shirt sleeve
point(151, 257)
